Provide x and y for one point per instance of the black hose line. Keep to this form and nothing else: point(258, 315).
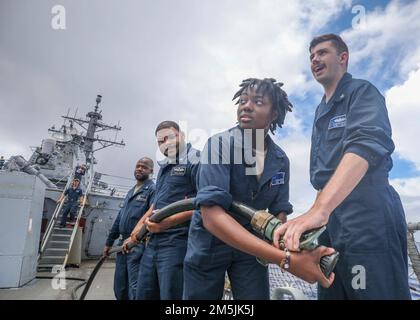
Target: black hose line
point(64, 278)
point(91, 277)
point(265, 224)
point(242, 209)
point(327, 262)
point(73, 292)
point(169, 210)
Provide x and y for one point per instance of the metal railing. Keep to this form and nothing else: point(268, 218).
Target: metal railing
point(79, 215)
point(69, 173)
point(112, 185)
point(413, 252)
point(53, 220)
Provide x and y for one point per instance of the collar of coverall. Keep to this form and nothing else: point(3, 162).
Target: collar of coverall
point(338, 96)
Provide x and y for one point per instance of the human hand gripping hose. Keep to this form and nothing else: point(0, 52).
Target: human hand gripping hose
point(262, 222)
point(159, 215)
point(265, 224)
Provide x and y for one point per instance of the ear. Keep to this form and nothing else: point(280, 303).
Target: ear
point(344, 57)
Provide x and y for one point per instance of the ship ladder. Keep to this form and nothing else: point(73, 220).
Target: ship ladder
point(57, 242)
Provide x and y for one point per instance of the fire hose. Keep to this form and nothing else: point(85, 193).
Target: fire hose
point(262, 222)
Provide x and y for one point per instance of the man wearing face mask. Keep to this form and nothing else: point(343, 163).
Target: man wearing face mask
point(136, 203)
point(161, 269)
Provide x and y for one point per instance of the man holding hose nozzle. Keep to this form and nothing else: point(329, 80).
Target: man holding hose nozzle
point(350, 160)
point(161, 268)
point(136, 203)
point(244, 164)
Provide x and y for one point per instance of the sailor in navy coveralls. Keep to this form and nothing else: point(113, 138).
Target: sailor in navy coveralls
point(74, 196)
point(243, 164)
point(161, 269)
point(350, 160)
point(136, 203)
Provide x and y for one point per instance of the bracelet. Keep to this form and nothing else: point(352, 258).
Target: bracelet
point(285, 263)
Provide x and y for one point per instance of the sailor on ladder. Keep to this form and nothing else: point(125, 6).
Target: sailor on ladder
point(74, 196)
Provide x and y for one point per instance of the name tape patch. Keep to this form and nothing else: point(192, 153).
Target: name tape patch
point(337, 122)
point(278, 178)
point(179, 171)
point(141, 197)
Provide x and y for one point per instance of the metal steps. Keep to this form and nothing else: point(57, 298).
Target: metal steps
point(58, 252)
point(55, 253)
point(52, 260)
point(58, 230)
point(46, 266)
point(58, 241)
point(57, 246)
point(62, 237)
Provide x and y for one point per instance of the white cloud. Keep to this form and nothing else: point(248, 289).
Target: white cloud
point(404, 112)
point(8, 149)
point(302, 194)
point(180, 60)
point(387, 49)
point(409, 190)
point(386, 44)
point(267, 39)
point(272, 41)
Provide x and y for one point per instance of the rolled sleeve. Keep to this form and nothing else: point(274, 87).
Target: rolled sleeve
point(281, 206)
point(371, 157)
point(213, 196)
point(368, 131)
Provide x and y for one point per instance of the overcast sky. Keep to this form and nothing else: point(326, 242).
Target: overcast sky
point(183, 60)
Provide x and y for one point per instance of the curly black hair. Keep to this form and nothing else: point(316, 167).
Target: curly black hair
point(271, 88)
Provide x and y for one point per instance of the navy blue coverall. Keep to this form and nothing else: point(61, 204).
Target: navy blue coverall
point(368, 228)
point(73, 196)
point(79, 172)
point(160, 275)
point(127, 265)
point(222, 179)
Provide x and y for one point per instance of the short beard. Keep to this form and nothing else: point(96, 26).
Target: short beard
point(142, 178)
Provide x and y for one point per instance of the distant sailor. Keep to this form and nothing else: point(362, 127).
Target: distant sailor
point(80, 171)
point(136, 204)
point(74, 196)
